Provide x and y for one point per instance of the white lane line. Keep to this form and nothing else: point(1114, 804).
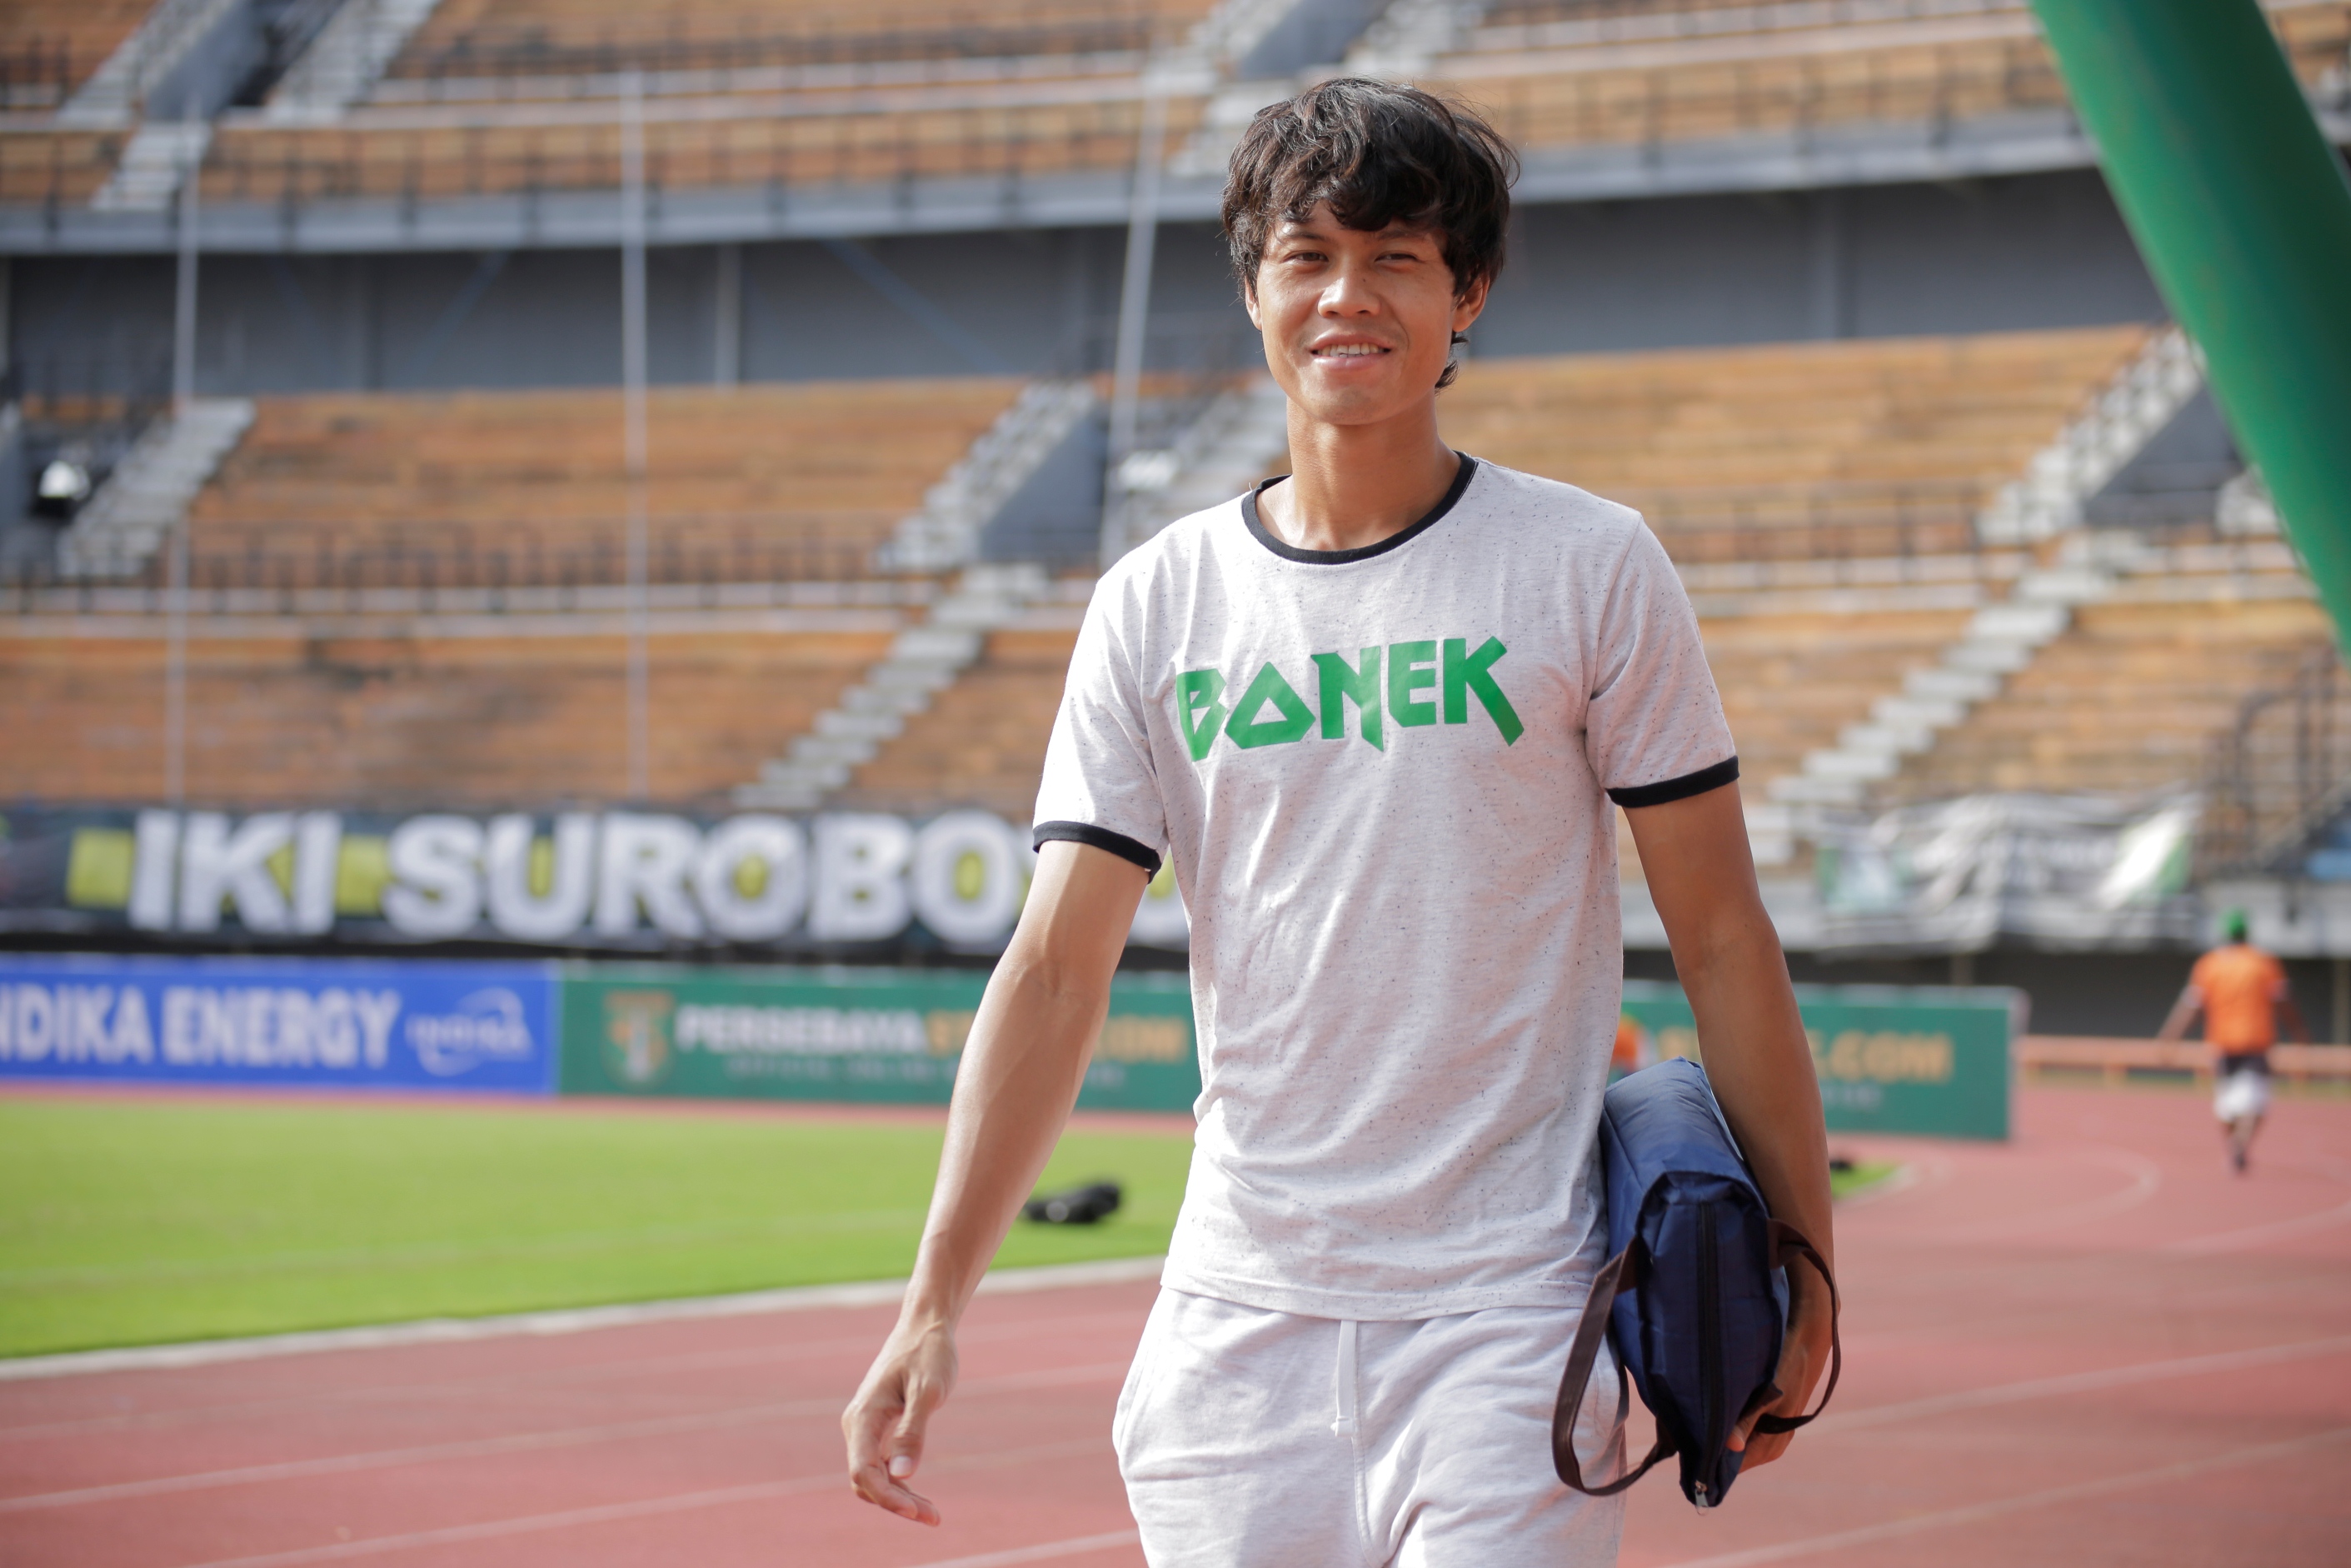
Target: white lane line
point(407, 1394)
point(1906, 1178)
point(2081, 1383)
point(2276, 1230)
point(2146, 1180)
point(2187, 1470)
point(524, 1442)
point(644, 1508)
point(446, 1331)
point(1070, 1548)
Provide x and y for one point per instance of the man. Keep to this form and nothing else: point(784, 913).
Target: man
point(1375, 713)
point(2240, 990)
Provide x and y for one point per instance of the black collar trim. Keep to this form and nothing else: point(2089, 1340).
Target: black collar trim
point(1363, 552)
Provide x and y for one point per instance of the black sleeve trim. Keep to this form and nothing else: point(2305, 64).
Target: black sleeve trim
point(1723, 772)
point(1119, 844)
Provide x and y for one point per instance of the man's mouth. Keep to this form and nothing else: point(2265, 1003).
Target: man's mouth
point(1348, 351)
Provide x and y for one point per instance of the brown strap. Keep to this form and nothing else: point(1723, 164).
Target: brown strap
point(1788, 1244)
point(1622, 1272)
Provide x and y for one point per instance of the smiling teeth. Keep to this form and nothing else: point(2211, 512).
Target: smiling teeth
point(1353, 350)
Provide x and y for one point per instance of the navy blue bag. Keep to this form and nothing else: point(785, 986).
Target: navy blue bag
point(1693, 1295)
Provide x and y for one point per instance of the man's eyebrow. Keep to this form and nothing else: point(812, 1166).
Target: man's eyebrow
point(1291, 230)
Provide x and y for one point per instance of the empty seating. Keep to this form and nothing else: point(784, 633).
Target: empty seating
point(1883, 447)
point(982, 740)
point(746, 145)
point(56, 168)
point(512, 37)
point(49, 47)
point(496, 488)
point(1562, 73)
point(1790, 683)
point(335, 716)
point(2133, 697)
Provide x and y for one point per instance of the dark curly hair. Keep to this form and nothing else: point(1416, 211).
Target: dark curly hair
point(1380, 154)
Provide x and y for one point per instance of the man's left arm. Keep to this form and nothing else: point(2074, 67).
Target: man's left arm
point(1694, 852)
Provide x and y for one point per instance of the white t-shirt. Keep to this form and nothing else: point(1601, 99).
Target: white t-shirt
point(1383, 776)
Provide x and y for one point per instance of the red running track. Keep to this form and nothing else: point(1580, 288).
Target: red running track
point(2091, 1346)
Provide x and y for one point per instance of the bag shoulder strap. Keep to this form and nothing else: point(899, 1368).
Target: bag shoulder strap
point(1788, 1244)
point(1623, 1272)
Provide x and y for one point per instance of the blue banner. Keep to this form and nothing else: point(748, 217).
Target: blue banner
point(319, 1023)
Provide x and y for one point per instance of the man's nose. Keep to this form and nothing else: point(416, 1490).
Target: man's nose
point(1350, 293)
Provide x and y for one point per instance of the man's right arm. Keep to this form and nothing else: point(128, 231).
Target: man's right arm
point(2183, 1013)
point(1019, 1075)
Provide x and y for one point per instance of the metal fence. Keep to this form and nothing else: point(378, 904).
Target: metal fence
point(2279, 774)
point(288, 562)
point(1613, 20)
point(1831, 521)
point(681, 42)
point(38, 72)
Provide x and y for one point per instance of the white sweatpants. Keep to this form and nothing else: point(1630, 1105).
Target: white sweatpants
point(1259, 1440)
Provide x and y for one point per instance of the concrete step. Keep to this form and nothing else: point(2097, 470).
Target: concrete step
point(1983, 656)
point(1901, 740)
point(2029, 623)
point(835, 750)
point(846, 724)
point(1950, 683)
point(1808, 790)
point(1853, 766)
point(1918, 712)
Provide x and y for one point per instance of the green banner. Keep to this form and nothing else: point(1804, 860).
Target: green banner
point(1892, 1059)
point(878, 1035)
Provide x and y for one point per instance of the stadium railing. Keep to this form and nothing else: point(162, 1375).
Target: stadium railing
point(773, 155)
point(685, 51)
point(1851, 84)
point(2115, 1060)
point(2279, 774)
point(38, 72)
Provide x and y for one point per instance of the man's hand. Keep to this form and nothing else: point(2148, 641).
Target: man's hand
point(1018, 1077)
point(885, 1423)
point(1702, 878)
point(1804, 1359)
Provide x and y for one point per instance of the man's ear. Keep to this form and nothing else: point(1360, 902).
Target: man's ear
point(1248, 303)
point(1470, 305)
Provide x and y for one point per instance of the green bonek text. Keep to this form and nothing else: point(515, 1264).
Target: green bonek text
point(1408, 684)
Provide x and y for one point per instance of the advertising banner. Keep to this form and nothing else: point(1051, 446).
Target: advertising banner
point(1927, 1059)
point(311, 1022)
point(840, 1034)
point(2061, 872)
point(857, 883)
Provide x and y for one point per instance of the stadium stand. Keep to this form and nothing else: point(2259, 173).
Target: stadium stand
point(2135, 695)
point(758, 483)
point(1782, 452)
point(498, 711)
point(1561, 73)
point(513, 39)
point(47, 168)
point(688, 144)
point(982, 740)
point(1862, 447)
point(519, 95)
point(48, 48)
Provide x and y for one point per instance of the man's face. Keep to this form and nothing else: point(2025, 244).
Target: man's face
point(1358, 325)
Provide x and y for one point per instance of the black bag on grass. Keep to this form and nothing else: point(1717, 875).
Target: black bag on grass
point(1693, 1295)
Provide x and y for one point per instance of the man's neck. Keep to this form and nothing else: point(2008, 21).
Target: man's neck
point(1353, 485)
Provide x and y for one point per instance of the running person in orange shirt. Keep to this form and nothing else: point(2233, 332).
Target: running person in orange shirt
point(2241, 991)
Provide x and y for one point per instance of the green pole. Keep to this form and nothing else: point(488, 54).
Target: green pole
point(2243, 214)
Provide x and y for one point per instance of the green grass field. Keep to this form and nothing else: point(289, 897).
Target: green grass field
point(142, 1222)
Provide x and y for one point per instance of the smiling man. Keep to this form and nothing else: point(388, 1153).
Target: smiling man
point(1375, 713)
